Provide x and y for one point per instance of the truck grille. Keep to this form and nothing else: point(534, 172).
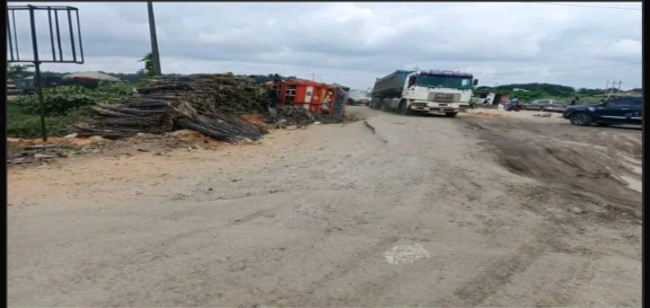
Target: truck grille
point(444, 97)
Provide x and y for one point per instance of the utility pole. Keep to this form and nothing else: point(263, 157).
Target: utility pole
point(619, 86)
point(154, 40)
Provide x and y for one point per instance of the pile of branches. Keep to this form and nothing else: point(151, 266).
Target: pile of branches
point(209, 104)
point(293, 115)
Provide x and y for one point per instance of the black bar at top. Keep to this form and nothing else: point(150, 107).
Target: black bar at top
point(20, 8)
point(34, 42)
point(74, 51)
point(49, 19)
point(11, 45)
point(43, 61)
point(81, 47)
point(13, 20)
point(58, 34)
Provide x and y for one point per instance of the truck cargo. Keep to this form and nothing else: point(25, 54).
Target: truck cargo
point(423, 92)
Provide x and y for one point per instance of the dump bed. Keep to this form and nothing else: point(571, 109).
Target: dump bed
point(391, 85)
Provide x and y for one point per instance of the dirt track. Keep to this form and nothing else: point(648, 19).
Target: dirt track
point(392, 211)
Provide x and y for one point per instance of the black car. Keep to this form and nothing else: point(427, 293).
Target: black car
point(623, 110)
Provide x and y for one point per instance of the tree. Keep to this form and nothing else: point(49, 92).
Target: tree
point(17, 71)
point(148, 65)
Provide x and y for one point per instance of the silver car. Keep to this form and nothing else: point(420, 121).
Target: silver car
point(555, 106)
point(552, 105)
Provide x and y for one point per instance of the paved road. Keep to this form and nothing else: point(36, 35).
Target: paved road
point(395, 211)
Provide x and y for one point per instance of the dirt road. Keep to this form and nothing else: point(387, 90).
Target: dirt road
point(392, 211)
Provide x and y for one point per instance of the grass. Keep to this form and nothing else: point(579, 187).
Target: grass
point(28, 126)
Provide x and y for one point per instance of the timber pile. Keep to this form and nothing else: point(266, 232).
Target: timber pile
point(208, 104)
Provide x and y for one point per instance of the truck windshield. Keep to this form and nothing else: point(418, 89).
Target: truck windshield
point(444, 82)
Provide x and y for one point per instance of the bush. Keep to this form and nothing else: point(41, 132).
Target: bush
point(60, 100)
point(28, 126)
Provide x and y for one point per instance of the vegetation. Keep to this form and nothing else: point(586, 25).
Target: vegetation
point(535, 91)
point(61, 100)
point(148, 70)
point(28, 126)
point(16, 71)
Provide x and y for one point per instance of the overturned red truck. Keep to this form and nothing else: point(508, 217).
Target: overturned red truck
point(317, 97)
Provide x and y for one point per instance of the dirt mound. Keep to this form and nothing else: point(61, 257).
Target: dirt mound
point(255, 118)
point(22, 143)
point(194, 137)
point(485, 114)
point(581, 163)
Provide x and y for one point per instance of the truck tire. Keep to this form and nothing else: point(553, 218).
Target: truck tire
point(451, 114)
point(403, 109)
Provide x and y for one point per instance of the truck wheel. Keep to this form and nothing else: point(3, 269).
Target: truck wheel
point(403, 109)
point(581, 119)
point(451, 114)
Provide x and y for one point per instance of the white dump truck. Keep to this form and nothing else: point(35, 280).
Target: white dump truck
point(432, 91)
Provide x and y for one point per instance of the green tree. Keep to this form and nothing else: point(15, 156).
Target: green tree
point(148, 65)
point(17, 71)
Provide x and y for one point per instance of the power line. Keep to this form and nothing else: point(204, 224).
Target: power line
point(591, 6)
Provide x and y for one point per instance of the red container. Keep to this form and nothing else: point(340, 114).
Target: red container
point(302, 92)
point(317, 97)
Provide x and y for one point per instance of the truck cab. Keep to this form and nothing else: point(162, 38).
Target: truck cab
point(423, 92)
point(438, 91)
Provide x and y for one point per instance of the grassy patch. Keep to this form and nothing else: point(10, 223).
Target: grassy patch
point(28, 126)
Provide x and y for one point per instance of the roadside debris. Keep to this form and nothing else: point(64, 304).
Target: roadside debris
point(208, 104)
point(285, 116)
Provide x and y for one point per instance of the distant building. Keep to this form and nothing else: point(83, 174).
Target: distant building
point(495, 98)
point(27, 85)
point(89, 79)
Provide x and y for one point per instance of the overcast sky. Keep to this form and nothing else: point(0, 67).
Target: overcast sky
point(578, 44)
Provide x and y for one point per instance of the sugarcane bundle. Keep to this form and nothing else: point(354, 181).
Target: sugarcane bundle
point(209, 104)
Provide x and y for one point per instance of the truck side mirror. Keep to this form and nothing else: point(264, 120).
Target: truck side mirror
point(475, 82)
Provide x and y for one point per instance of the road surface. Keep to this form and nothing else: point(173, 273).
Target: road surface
point(393, 211)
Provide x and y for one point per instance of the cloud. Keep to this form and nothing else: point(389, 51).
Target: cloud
point(354, 43)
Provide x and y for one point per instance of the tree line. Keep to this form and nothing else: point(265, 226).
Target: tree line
point(547, 90)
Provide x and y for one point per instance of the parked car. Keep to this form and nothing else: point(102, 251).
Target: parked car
point(622, 110)
point(536, 104)
point(555, 106)
point(363, 101)
point(546, 105)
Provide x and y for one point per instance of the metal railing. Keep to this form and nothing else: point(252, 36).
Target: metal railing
point(54, 27)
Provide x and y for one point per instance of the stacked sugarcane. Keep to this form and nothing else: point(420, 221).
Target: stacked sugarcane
point(209, 104)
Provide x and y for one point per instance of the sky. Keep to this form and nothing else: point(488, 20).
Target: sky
point(580, 44)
